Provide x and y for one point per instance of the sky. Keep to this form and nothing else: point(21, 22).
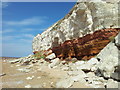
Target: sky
point(22, 21)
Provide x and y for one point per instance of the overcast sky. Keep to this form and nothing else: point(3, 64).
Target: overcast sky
point(24, 20)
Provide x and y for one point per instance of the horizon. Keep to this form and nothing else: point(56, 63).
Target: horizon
point(22, 21)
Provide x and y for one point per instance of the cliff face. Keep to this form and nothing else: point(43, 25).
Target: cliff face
point(84, 18)
point(86, 47)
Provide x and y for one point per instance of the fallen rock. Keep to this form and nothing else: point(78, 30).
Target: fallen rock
point(24, 70)
point(78, 63)
point(15, 61)
point(23, 60)
point(85, 67)
point(78, 78)
point(75, 73)
point(93, 61)
point(65, 68)
point(38, 77)
point(30, 78)
point(28, 86)
point(115, 76)
point(3, 74)
point(109, 60)
point(66, 83)
point(90, 74)
point(54, 62)
point(112, 84)
point(51, 56)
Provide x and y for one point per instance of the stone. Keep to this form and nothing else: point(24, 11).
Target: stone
point(51, 56)
point(78, 63)
point(78, 78)
point(90, 74)
point(65, 68)
point(38, 77)
point(109, 60)
point(115, 75)
point(30, 66)
point(95, 81)
point(30, 78)
point(112, 84)
point(75, 73)
point(23, 60)
point(3, 74)
point(97, 86)
point(17, 65)
point(85, 67)
point(66, 83)
point(94, 68)
point(24, 70)
point(28, 86)
point(63, 62)
point(41, 61)
point(15, 61)
point(26, 61)
point(84, 18)
point(93, 61)
point(74, 60)
point(54, 62)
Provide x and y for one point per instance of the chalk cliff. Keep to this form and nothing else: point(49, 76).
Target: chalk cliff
point(84, 18)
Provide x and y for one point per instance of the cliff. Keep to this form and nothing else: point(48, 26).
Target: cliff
point(84, 18)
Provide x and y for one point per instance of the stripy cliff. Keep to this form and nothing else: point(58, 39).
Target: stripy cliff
point(84, 18)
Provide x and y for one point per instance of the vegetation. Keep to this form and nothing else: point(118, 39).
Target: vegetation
point(111, 38)
point(74, 61)
point(39, 55)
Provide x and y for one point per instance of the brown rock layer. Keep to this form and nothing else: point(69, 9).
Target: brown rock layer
point(87, 46)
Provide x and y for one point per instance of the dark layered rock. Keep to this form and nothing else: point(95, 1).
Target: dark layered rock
point(87, 46)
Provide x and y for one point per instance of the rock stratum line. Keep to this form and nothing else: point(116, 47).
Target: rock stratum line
point(86, 47)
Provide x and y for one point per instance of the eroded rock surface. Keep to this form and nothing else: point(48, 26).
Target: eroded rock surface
point(109, 65)
point(84, 18)
point(86, 47)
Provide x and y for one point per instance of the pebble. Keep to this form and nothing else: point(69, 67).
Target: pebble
point(30, 78)
point(38, 77)
point(51, 83)
point(17, 65)
point(44, 84)
point(3, 74)
point(27, 86)
point(24, 70)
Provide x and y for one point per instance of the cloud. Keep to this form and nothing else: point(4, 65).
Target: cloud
point(29, 21)
point(7, 38)
point(6, 31)
point(4, 4)
point(33, 29)
point(18, 37)
point(17, 45)
point(28, 35)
